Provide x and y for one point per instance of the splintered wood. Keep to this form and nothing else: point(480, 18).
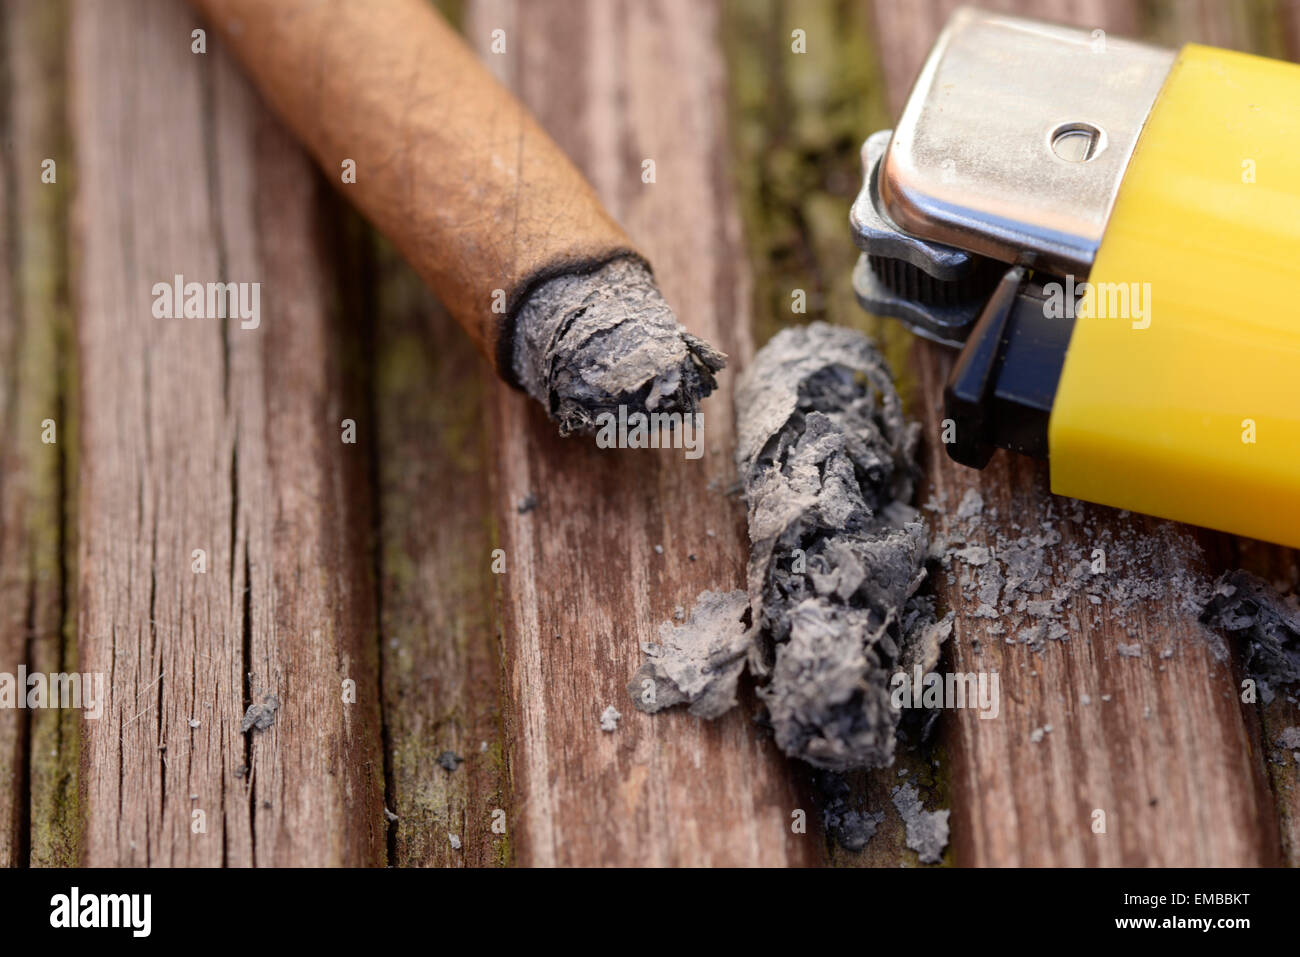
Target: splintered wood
point(224, 531)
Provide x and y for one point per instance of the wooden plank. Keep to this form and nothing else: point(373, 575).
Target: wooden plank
point(1161, 745)
point(38, 748)
point(14, 588)
point(797, 128)
point(441, 659)
point(798, 122)
point(617, 84)
point(1252, 27)
point(200, 434)
point(1289, 18)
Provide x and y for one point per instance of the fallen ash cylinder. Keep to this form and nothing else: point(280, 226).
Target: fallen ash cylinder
point(837, 550)
point(837, 553)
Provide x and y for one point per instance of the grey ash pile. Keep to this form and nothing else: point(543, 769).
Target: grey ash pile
point(837, 551)
point(837, 555)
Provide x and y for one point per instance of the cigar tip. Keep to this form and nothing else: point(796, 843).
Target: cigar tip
point(588, 344)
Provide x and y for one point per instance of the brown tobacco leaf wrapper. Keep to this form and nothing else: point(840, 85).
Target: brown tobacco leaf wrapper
point(449, 165)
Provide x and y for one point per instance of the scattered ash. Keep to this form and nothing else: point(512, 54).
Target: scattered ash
point(699, 662)
point(609, 719)
point(1268, 623)
point(848, 822)
point(450, 760)
point(927, 831)
point(837, 555)
point(1033, 587)
point(1287, 747)
point(261, 716)
point(971, 507)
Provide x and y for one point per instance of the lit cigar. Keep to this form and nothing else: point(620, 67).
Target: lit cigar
point(476, 197)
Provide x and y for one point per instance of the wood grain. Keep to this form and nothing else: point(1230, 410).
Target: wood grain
point(441, 657)
point(198, 434)
point(38, 749)
point(1172, 758)
point(372, 562)
point(616, 84)
point(15, 596)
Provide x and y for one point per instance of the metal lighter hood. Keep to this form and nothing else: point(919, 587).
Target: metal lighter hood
point(1016, 136)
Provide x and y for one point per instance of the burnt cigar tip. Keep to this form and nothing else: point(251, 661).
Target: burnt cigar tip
point(588, 344)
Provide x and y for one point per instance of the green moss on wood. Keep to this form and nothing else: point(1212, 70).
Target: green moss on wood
point(798, 123)
point(440, 661)
point(46, 389)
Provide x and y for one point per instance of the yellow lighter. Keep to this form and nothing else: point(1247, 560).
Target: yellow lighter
point(1110, 232)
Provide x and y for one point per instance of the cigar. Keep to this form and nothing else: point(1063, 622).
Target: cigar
point(477, 198)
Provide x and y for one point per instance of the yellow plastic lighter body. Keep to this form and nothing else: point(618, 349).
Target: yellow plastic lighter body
point(1192, 411)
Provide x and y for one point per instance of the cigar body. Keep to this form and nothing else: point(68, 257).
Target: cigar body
point(448, 164)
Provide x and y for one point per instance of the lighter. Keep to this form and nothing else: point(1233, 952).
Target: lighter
point(1110, 233)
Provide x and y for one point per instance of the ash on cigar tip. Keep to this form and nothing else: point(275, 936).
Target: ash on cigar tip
point(586, 344)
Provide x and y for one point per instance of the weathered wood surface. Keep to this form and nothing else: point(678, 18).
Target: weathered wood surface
point(617, 84)
point(328, 561)
point(437, 599)
point(798, 122)
point(1173, 758)
point(199, 434)
point(38, 748)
